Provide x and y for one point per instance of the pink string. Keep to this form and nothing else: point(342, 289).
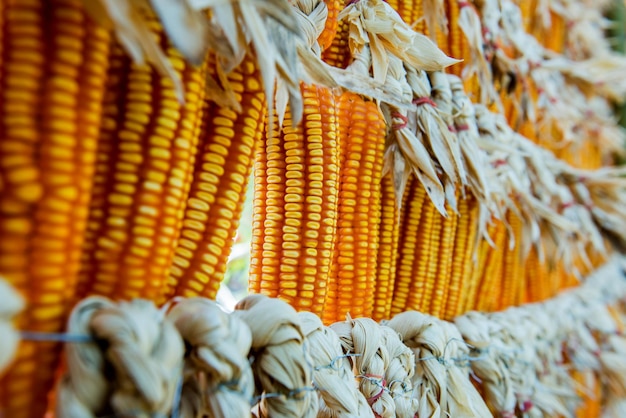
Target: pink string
point(424, 100)
point(402, 125)
point(499, 163)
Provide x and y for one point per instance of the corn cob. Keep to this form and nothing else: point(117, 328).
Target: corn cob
point(147, 147)
point(301, 180)
point(490, 282)
point(423, 285)
point(259, 213)
point(535, 277)
point(445, 254)
point(462, 260)
point(338, 53)
point(477, 284)
point(387, 250)
point(325, 38)
point(512, 271)
point(556, 38)
point(228, 144)
point(590, 393)
point(362, 140)
point(457, 43)
point(52, 83)
point(411, 228)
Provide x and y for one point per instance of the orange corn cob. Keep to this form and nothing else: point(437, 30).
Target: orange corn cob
point(591, 394)
point(457, 43)
point(259, 212)
point(445, 252)
point(330, 27)
point(410, 230)
point(228, 144)
point(490, 282)
point(338, 52)
point(462, 260)
point(387, 251)
point(423, 285)
point(52, 78)
point(512, 270)
point(535, 277)
point(300, 200)
point(147, 147)
point(353, 274)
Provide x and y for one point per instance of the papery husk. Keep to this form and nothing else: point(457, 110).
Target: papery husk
point(364, 338)
point(332, 372)
point(218, 380)
point(280, 359)
point(377, 24)
point(11, 303)
point(399, 374)
point(520, 353)
point(133, 366)
point(442, 375)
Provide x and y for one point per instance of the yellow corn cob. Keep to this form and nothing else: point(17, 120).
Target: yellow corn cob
point(338, 53)
point(362, 140)
point(527, 8)
point(456, 39)
point(535, 277)
point(146, 155)
point(410, 228)
point(301, 182)
point(490, 290)
point(330, 27)
point(412, 11)
point(427, 255)
point(394, 5)
point(462, 260)
point(443, 38)
point(512, 270)
point(590, 393)
point(259, 212)
point(387, 250)
point(481, 286)
point(445, 252)
point(228, 144)
point(52, 84)
point(557, 34)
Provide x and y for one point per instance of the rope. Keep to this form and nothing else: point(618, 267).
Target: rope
point(218, 380)
point(127, 358)
point(280, 362)
point(331, 371)
point(132, 365)
point(365, 337)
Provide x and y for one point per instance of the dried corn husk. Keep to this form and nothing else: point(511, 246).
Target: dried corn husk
point(442, 376)
point(132, 367)
point(332, 372)
point(218, 380)
point(10, 305)
point(280, 359)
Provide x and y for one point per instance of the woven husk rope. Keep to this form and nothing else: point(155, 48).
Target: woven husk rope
point(280, 363)
point(133, 360)
point(331, 370)
point(132, 367)
point(218, 380)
